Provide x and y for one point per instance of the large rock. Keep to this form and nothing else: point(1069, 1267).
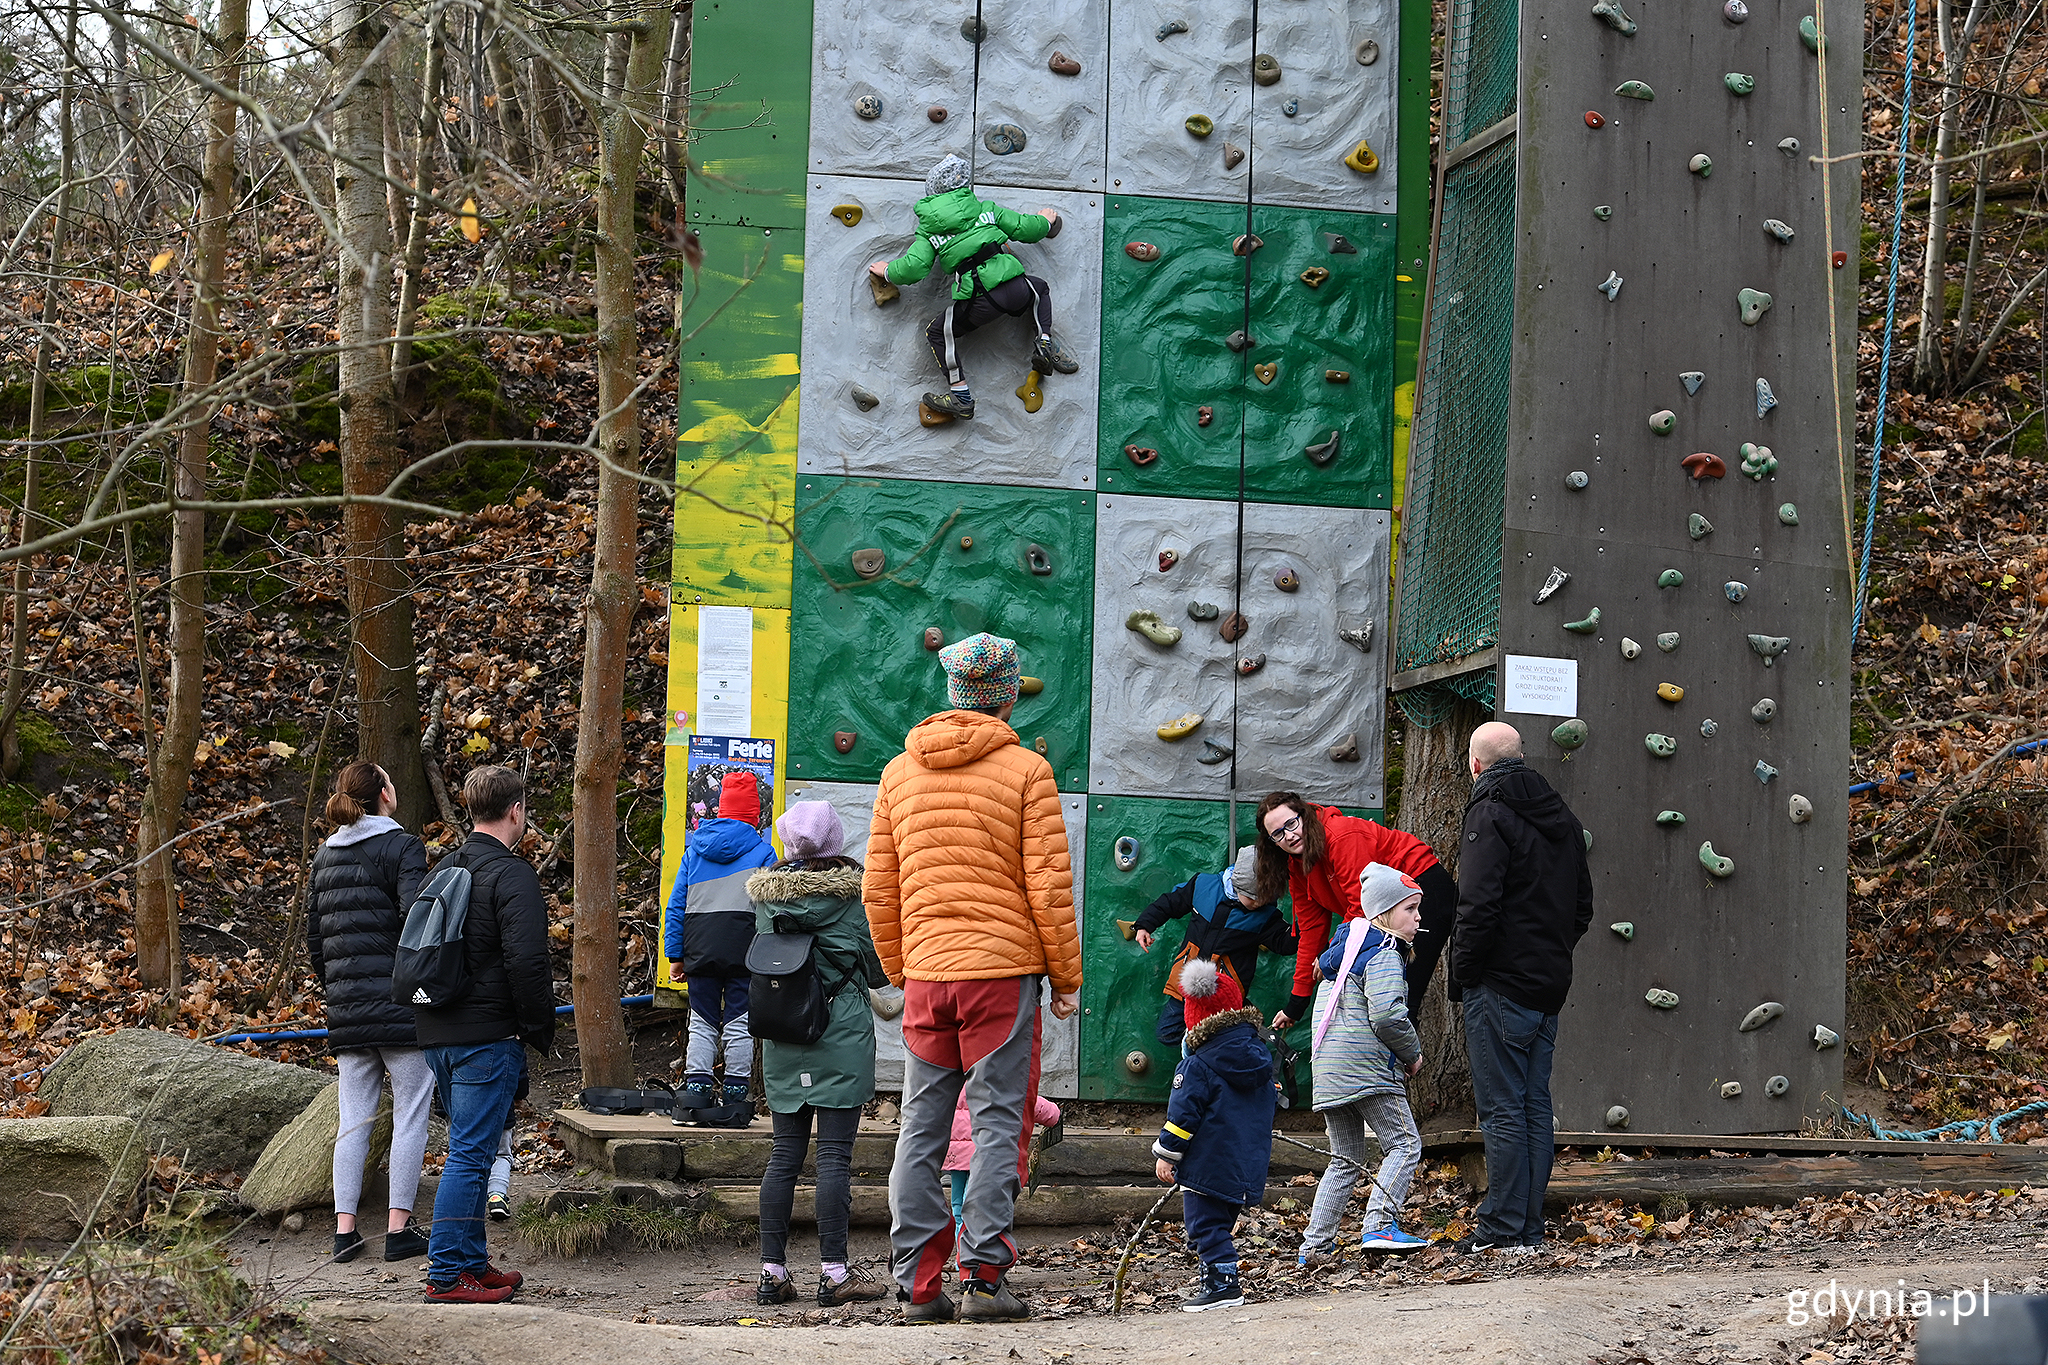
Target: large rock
point(296, 1170)
point(212, 1108)
point(55, 1172)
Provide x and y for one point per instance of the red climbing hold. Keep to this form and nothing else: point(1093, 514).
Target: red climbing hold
point(1705, 465)
point(1141, 251)
point(1841, 259)
point(1141, 455)
point(1595, 119)
point(1204, 415)
point(842, 740)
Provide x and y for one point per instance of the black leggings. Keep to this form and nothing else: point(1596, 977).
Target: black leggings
point(1012, 298)
point(1439, 912)
point(836, 1129)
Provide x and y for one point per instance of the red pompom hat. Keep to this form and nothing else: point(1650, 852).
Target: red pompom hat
point(739, 798)
point(1205, 991)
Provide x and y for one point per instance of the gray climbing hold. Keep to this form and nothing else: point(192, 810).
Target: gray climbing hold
point(1624, 929)
point(1692, 379)
point(1717, 864)
point(1735, 11)
point(1701, 165)
point(1617, 1116)
point(1557, 579)
point(1291, 108)
point(1171, 27)
point(1610, 286)
point(1366, 53)
point(1765, 773)
point(1037, 560)
point(1754, 303)
point(1612, 15)
point(1337, 244)
point(1603, 211)
point(1629, 648)
point(1266, 69)
point(868, 106)
point(864, 399)
point(1824, 1037)
point(1739, 83)
point(1576, 480)
point(1670, 817)
point(1232, 155)
point(1777, 1086)
point(1788, 514)
point(973, 29)
point(1660, 746)
point(1345, 750)
point(1664, 421)
point(1238, 341)
point(1667, 641)
point(1779, 228)
point(1789, 146)
point(1709, 728)
point(1764, 712)
point(1734, 591)
point(1360, 639)
point(1761, 1015)
point(1214, 753)
point(1765, 399)
point(869, 563)
point(1322, 452)
point(1659, 998)
point(1731, 1090)
point(1670, 578)
point(1005, 139)
point(1586, 624)
point(1203, 611)
point(1569, 735)
point(1698, 527)
point(1799, 809)
point(1635, 90)
point(1126, 853)
point(1769, 647)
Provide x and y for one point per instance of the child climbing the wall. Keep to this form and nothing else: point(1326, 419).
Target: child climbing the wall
point(1226, 922)
point(966, 236)
point(1365, 1049)
point(1218, 1138)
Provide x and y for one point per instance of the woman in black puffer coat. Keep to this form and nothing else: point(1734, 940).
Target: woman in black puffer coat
point(364, 879)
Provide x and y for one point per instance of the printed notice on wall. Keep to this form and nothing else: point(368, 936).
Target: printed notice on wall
point(725, 670)
point(1534, 686)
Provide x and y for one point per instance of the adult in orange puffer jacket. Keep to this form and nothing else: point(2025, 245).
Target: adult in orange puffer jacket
point(970, 900)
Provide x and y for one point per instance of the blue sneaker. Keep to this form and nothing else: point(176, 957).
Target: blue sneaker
point(1391, 1238)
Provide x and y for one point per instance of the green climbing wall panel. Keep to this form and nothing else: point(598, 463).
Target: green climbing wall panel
point(865, 668)
point(756, 56)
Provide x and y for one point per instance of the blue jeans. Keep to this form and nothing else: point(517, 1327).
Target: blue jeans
point(1510, 1049)
point(476, 1083)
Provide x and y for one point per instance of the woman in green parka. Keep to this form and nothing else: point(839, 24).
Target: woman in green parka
point(816, 890)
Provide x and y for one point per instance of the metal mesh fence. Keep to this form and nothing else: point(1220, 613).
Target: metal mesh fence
point(1483, 67)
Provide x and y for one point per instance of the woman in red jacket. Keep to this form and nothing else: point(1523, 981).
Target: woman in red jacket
point(1315, 854)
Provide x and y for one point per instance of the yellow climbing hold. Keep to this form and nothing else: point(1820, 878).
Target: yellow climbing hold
point(1363, 159)
point(1183, 727)
point(1670, 692)
point(848, 214)
point(1030, 686)
point(1033, 397)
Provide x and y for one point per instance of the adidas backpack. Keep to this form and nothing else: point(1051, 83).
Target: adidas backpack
point(432, 969)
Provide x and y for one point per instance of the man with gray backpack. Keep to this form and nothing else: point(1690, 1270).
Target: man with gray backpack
point(492, 1000)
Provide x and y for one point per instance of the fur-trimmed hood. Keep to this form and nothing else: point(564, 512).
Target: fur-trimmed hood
point(1216, 1023)
point(793, 884)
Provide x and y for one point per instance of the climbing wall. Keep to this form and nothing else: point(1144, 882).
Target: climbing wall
point(1679, 438)
point(1229, 274)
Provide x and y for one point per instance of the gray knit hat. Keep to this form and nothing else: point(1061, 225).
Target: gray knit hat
point(1381, 888)
point(950, 174)
point(1244, 873)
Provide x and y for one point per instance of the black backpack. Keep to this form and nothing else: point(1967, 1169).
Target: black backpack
point(432, 967)
point(787, 1001)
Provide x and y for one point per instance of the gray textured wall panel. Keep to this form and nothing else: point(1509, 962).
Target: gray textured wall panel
point(1588, 375)
point(848, 341)
point(1159, 83)
point(1060, 1048)
point(1064, 117)
point(910, 56)
point(1298, 159)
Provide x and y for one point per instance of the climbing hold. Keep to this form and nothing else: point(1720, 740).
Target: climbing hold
point(1556, 579)
point(1266, 68)
point(1617, 1116)
point(1755, 303)
point(1214, 753)
point(1625, 929)
point(1171, 27)
point(1809, 35)
point(1239, 341)
point(1126, 852)
point(1266, 371)
point(864, 399)
point(1060, 64)
point(1735, 11)
point(937, 113)
point(868, 106)
point(1734, 591)
point(1698, 527)
point(1345, 750)
point(1286, 579)
point(1140, 455)
point(1585, 625)
point(1040, 744)
point(1776, 1086)
point(1663, 421)
point(1314, 276)
point(1586, 837)
point(1136, 1062)
point(1610, 286)
point(1250, 664)
point(1770, 646)
point(1246, 244)
point(934, 638)
point(1233, 627)
point(1671, 578)
point(1765, 399)
point(1758, 461)
point(1692, 379)
point(1577, 480)
point(1701, 165)
point(1670, 692)
point(1765, 773)
point(1336, 376)
point(1668, 641)
point(1789, 146)
point(1037, 560)
point(1595, 119)
point(1779, 229)
point(848, 214)
point(1167, 559)
point(1788, 514)
point(1337, 244)
point(1322, 452)
point(973, 29)
point(1824, 1037)
point(1359, 639)
point(1291, 108)
point(1141, 251)
point(1570, 735)
point(1731, 1090)
point(1129, 929)
point(1764, 712)
point(1630, 649)
point(1659, 998)
point(1612, 14)
point(885, 293)
point(1603, 211)
point(1232, 154)
point(1179, 729)
point(1203, 611)
point(1363, 158)
point(843, 740)
point(1201, 125)
point(1704, 464)
point(1841, 258)
point(1005, 139)
point(1739, 83)
point(1204, 415)
point(1635, 90)
point(1660, 746)
point(1708, 728)
point(869, 563)
point(1148, 624)
point(1670, 817)
point(1761, 1015)
point(1799, 809)
point(1030, 392)
point(967, 542)
point(1718, 864)
point(1029, 686)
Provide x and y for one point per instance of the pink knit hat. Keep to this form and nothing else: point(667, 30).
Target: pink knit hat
point(811, 829)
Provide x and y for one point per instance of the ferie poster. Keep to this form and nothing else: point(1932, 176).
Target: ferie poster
point(711, 758)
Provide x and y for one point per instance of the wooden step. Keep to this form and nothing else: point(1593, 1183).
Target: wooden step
point(1742, 1181)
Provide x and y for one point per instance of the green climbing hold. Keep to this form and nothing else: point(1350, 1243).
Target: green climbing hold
point(1203, 611)
point(1660, 746)
point(1670, 817)
point(1755, 303)
point(1718, 864)
point(1701, 165)
point(1586, 626)
point(1659, 998)
point(1668, 641)
point(1769, 647)
point(1664, 421)
point(1616, 18)
point(1571, 734)
point(1635, 90)
point(1757, 461)
point(1586, 835)
point(1148, 624)
point(1809, 34)
point(1788, 514)
point(1603, 211)
point(1670, 578)
point(1625, 928)
point(1738, 83)
point(1201, 125)
point(1698, 527)
point(1761, 1015)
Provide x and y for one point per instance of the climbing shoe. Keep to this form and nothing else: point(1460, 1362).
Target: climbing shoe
point(951, 404)
point(1219, 1290)
point(1048, 355)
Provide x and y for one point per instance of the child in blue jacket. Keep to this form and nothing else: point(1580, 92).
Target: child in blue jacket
point(1218, 1138)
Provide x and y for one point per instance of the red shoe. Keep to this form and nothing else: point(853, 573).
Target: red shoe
point(467, 1288)
point(493, 1278)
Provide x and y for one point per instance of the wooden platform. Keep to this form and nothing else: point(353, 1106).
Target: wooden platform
point(1452, 1142)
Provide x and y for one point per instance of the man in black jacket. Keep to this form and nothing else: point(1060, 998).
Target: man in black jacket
point(1524, 901)
point(476, 1046)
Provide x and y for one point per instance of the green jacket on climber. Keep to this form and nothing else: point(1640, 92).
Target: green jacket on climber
point(953, 228)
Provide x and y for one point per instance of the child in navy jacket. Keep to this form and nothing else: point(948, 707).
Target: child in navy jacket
point(1218, 1138)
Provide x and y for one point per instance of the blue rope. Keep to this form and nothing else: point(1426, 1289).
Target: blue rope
point(1969, 1130)
point(1891, 308)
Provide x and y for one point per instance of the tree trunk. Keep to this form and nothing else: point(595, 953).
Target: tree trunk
point(1434, 785)
point(379, 588)
point(675, 107)
point(547, 104)
point(141, 201)
point(505, 85)
point(1927, 354)
point(417, 213)
point(614, 579)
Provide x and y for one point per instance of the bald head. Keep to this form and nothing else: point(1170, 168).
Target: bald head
point(1493, 742)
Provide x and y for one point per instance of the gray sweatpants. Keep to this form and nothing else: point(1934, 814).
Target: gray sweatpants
point(1352, 1128)
point(362, 1085)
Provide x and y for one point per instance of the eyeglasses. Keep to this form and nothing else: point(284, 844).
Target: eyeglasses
point(1286, 831)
